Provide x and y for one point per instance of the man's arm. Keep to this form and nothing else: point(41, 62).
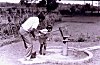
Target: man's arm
point(32, 32)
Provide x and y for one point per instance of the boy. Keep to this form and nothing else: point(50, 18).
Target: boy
point(42, 39)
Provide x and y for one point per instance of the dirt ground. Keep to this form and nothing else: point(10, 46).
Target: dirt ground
point(89, 27)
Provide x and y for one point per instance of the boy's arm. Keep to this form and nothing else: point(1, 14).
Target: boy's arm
point(38, 31)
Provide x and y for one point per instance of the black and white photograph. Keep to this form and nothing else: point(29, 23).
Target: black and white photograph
point(49, 32)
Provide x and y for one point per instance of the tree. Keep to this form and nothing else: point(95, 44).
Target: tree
point(22, 2)
point(25, 2)
point(42, 3)
point(72, 10)
point(51, 5)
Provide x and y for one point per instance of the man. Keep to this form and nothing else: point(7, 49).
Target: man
point(27, 29)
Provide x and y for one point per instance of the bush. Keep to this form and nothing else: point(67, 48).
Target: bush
point(81, 40)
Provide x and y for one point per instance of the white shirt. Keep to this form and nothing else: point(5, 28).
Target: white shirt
point(45, 34)
point(44, 31)
point(30, 23)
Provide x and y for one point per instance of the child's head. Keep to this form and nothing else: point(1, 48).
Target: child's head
point(49, 28)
